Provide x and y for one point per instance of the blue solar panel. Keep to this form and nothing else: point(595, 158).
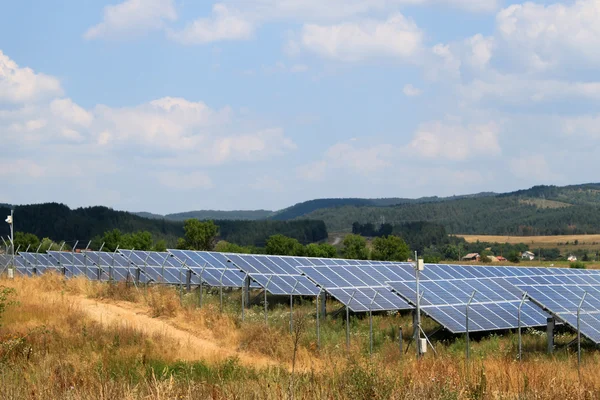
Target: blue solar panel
point(494, 306)
point(562, 299)
point(356, 287)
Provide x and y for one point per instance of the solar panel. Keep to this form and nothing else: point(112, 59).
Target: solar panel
point(112, 266)
point(561, 297)
point(494, 306)
point(212, 268)
point(354, 287)
point(39, 262)
point(274, 273)
point(159, 267)
point(74, 264)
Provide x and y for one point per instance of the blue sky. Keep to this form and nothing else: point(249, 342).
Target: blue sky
point(173, 105)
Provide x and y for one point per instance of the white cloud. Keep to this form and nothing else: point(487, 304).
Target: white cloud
point(585, 126)
point(411, 91)
point(453, 141)
point(21, 168)
point(397, 37)
point(22, 85)
point(532, 167)
point(133, 18)
point(185, 181)
point(70, 112)
point(548, 37)
point(225, 24)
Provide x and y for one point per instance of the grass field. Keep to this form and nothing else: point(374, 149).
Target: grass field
point(87, 340)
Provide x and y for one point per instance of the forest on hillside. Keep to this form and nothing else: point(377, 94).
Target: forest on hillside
point(498, 215)
point(58, 222)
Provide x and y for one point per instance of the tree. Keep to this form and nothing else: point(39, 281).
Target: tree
point(451, 252)
point(47, 244)
point(323, 250)
point(390, 248)
point(283, 246)
point(25, 240)
point(355, 248)
point(200, 235)
point(432, 255)
point(223, 246)
point(160, 245)
point(514, 257)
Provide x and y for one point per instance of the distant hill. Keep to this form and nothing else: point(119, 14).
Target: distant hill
point(221, 215)
point(541, 210)
point(59, 222)
point(307, 207)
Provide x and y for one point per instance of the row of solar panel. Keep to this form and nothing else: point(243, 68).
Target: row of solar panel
point(361, 287)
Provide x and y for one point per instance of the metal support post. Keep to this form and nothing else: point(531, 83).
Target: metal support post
point(348, 322)
point(579, 333)
point(550, 323)
point(371, 323)
point(221, 289)
point(292, 308)
point(400, 345)
point(244, 297)
point(265, 301)
point(519, 325)
point(318, 321)
point(468, 350)
point(323, 301)
point(201, 274)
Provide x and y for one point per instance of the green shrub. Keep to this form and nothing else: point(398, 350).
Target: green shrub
point(577, 265)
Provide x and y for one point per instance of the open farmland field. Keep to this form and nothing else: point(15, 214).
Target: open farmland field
point(113, 341)
point(563, 242)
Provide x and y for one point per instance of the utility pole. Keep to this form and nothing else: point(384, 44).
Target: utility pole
point(10, 221)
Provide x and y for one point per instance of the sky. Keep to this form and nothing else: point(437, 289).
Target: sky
point(174, 105)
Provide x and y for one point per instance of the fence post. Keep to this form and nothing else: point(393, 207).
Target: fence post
point(519, 326)
point(579, 333)
point(371, 324)
point(468, 350)
point(348, 322)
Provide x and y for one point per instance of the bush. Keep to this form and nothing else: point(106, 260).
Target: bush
point(577, 265)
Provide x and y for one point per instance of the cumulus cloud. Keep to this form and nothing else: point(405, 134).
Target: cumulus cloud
point(532, 167)
point(23, 85)
point(133, 18)
point(411, 91)
point(549, 36)
point(453, 141)
point(397, 37)
point(185, 181)
point(224, 24)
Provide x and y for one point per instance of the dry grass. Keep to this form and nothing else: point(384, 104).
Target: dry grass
point(52, 346)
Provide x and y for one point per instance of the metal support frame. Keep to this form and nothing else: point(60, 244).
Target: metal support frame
point(221, 289)
point(579, 332)
point(318, 320)
point(292, 307)
point(371, 323)
point(348, 321)
point(265, 301)
point(519, 326)
point(468, 350)
point(550, 324)
point(200, 287)
point(417, 330)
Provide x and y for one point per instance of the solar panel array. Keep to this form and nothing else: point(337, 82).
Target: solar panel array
point(561, 296)
point(360, 288)
point(359, 285)
point(493, 307)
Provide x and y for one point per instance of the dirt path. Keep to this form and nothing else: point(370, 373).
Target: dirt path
point(192, 347)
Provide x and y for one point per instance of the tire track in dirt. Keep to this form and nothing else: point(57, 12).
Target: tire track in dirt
point(192, 347)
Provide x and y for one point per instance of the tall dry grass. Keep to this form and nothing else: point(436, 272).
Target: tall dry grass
point(51, 349)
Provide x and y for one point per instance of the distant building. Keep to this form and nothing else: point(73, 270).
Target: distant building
point(471, 257)
point(527, 255)
point(501, 259)
point(572, 258)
